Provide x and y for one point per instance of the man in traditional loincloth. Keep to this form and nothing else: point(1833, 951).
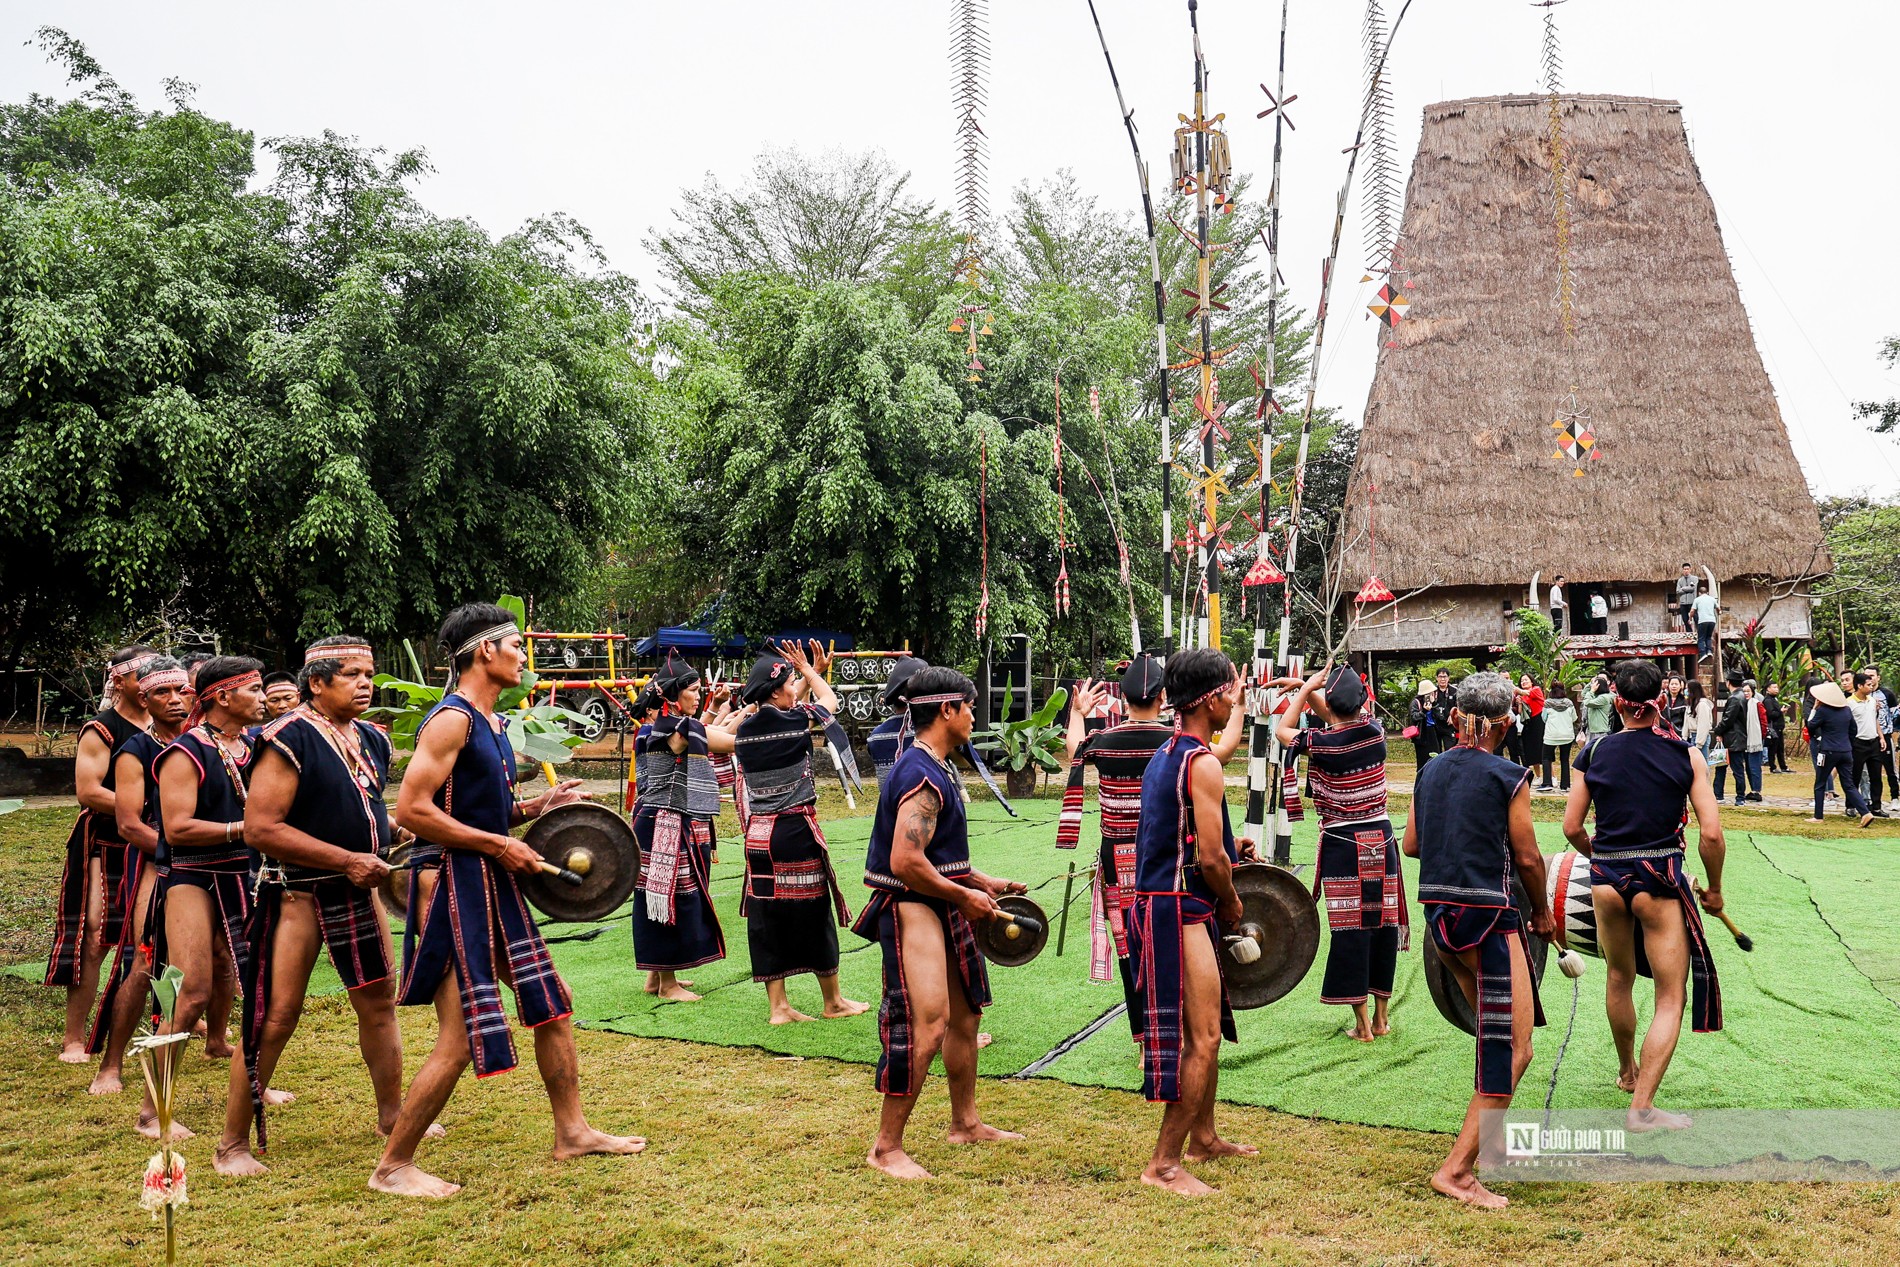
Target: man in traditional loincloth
point(316, 814)
point(1469, 826)
point(925, 896)
point(205, 897)
point(676, 800)
point(791, 891)
point(92, 887)
point(477, 933)
point(123, 1002)
point(1184, 858)
point(1641, 781)
point(1120, 755)
point(1358, 874)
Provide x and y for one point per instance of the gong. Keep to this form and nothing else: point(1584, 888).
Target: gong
point(1014, 941)
point(1445, 991)
point(395, 885)
point(594, 843)
point(1278, 917)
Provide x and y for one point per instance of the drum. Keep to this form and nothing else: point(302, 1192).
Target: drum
point(1567, 886)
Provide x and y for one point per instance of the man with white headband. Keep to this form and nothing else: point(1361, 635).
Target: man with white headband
point(925, 896)
point(477, 932)
point(91, 908)
point(123, 1002)
point(206, 895)
point(1469, 827)
point(316, 814)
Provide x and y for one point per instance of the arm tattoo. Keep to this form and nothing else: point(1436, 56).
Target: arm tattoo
point(922, 824)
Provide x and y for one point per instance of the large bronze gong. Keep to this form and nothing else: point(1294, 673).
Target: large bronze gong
point(1445, 991)
point(594, 843)
point(1278, 917)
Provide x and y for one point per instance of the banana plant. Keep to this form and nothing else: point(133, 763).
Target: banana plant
point(545, 734)
point(1035, 740)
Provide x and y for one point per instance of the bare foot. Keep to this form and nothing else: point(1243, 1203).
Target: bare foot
point(1175, 1179)
point(896, 1163)
point(588, 1142)
point(1626, 1081)
point(789, 1016)
point(410, 1180)
point(273, 1096)
point(1356, 1034)
point(219, 1049)
point(981, 1133)
point(235, 1161)
point(1653, 1119)
point(105, 1082)
point(653, 982)
point(678, 993)
point(1381, 1028)
point(845, 1007)
point(1197, 1151)
point(983, 1040)
point(1468, 1190)
point(148, 1127)
point(73, 1054)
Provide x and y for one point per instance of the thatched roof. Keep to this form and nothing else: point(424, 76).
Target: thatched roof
point(1696, 461)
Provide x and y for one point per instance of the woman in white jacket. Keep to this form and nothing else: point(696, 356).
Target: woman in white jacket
point(1700, 717)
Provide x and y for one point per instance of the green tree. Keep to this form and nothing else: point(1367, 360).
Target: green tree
point(1885, 413)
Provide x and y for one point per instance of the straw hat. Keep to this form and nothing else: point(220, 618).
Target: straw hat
point(1828, 693)
point(1426, 687)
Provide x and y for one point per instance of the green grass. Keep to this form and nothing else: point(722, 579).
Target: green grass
point(756, 1156)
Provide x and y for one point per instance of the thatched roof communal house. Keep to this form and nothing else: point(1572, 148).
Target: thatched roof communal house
point(1473, 508)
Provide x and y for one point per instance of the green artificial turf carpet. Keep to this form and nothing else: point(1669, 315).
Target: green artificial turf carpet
point(1811, 1019)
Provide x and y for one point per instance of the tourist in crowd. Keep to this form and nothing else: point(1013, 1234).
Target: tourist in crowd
point(1560, 731)
point(1530, 719)
point(1675, 704)
point(1831, 736)
point(1597, 706)
point(1892, 724)
point(1706, 612)
point(1686, 589)
point(1777, 749)
point(1728, 724)
point(1747, 742)
point(1700, 712)
point(1557, 603)
point(1420, 726)
point(1444, 734)
point(1867, 708)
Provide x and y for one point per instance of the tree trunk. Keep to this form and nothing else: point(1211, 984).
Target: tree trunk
point(1020, 783)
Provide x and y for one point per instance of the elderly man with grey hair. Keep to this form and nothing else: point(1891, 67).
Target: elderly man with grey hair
point(1470, 826)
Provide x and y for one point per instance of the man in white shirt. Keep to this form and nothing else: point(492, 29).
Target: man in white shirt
point(1706, 612)
point(1557, 603)
point(1866, 706)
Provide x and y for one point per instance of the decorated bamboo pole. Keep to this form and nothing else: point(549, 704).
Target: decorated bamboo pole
point(1282, 828)
point(1161, 343)
point(1206, 401)
point(1263, 744)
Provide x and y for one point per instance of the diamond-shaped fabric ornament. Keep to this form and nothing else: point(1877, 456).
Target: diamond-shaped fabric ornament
point(1262, 573)
point(1390, 305)
point(1373, 591)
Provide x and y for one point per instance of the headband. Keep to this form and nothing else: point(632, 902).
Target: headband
point(202, 704)
point(494, 633)
point(1205, 696)
point(163, 679)
point(950, 697)
point(136, 665)
point(340, 651)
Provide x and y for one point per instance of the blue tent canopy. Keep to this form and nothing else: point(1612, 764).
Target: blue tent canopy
point(688, 641)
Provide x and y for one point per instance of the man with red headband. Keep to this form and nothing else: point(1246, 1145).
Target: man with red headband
point(316, 814)
point(92, 895)
point(1641, 781)
point(122, 1004)
point(476, 932)
point(201, 780)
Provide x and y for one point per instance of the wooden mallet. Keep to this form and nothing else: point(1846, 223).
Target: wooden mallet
point(1742, 939)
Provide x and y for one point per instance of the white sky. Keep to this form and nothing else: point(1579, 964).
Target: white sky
point(606, 110)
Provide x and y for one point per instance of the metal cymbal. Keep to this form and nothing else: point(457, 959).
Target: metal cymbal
point(1276, 914)
point(593, 842)
point(1013, 943)
point(1444, 988)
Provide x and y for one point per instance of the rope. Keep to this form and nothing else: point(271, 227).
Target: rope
point(1576, 989)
